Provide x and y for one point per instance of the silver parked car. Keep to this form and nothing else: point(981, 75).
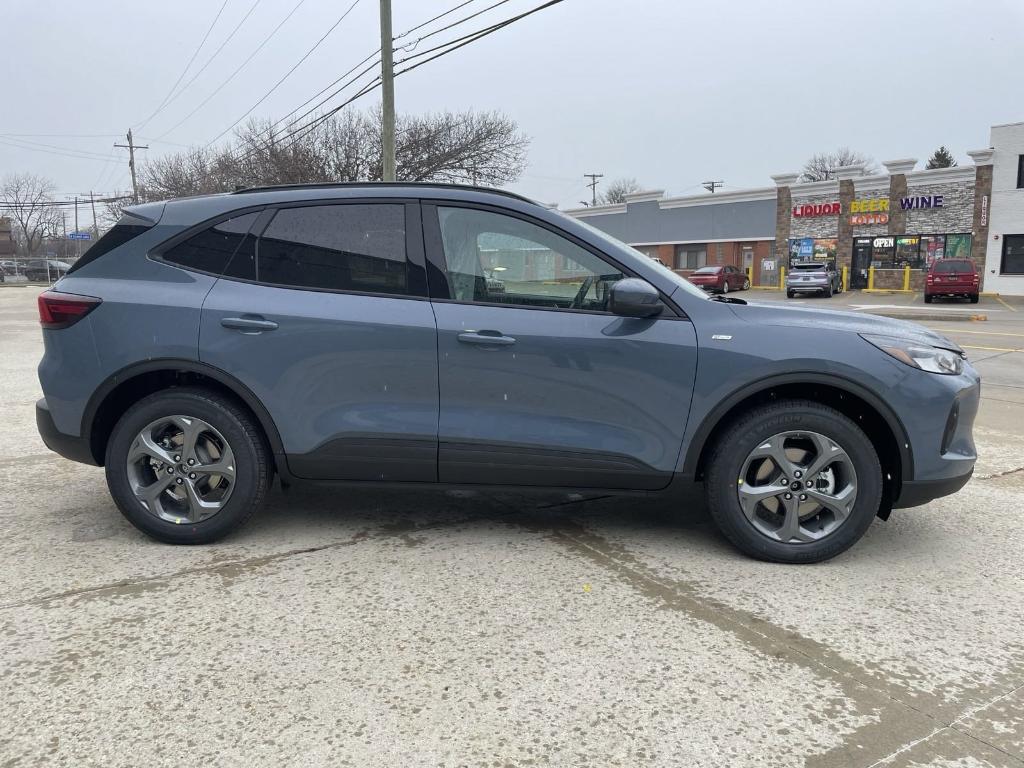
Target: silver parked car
point(814, 277)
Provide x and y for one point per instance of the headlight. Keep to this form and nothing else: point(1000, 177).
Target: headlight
point(918, 355)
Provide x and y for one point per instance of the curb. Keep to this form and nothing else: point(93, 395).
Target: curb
point(930, 316)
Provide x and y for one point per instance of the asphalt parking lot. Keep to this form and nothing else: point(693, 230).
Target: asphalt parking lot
point(402, 629)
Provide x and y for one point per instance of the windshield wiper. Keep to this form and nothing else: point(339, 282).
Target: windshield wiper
point(727, 299)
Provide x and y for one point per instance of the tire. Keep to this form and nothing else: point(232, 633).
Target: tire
point(974, 298)
point(828, 291)
point(746, 285)
point(249, 459)
point(725, 286)
point(928, 299)
point(790, 295)
point(731, 453)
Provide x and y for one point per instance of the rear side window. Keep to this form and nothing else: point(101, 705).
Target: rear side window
point(953, 265)
point(225, 249)
point(356, 247)
point(125, 230)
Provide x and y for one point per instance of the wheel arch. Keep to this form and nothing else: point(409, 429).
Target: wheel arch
point(882, 425)
point(134, 382)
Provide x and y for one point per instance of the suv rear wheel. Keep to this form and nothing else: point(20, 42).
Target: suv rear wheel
point(187, 466)
point(793, 482)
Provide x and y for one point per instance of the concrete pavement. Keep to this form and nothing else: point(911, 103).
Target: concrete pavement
point(384, 628)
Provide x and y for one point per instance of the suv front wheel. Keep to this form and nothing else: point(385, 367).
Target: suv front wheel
point(793, 482)
point(187, 466)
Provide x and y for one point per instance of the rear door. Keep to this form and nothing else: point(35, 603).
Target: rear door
point(540, 384)
point(331, 329)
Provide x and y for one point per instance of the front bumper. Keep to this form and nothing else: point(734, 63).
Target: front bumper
point(68, 446)
point(914, 494)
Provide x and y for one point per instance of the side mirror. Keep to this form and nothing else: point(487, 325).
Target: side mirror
point(633, 297)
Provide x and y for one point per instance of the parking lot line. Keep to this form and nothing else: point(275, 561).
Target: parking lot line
point(993, 349)
point(1012, 309)
point(988, 333)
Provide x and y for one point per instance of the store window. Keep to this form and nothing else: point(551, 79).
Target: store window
point(691, 256)
point(1013, 255)
point(805, 250)
point(958, 247)
point(882, 252)
point(933, 247)
point(908, 252)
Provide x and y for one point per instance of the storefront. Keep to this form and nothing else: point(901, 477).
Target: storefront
point(879, 225)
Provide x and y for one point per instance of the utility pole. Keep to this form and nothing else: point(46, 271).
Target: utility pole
point(387, 77)
point(92, 200)
point(131, 147)
point(711, 186)
point(593, 185)
point(78, 243)
point(64, 223)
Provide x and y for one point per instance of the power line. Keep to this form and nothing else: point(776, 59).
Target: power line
point(461, 42)
point(287, 74)
point(96, 157)
point(431, 21)
point(216, 53)
point(185, 70)
point(239, 69)
point(412, 46)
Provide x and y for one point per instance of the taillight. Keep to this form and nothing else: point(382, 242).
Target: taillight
point(62, 310)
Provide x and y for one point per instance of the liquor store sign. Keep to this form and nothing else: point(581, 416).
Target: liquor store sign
point(874, 210)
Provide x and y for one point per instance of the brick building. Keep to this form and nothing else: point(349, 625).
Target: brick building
point(889, 221)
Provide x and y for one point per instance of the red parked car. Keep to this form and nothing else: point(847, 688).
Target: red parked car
point(952, 277)
point(720, 279)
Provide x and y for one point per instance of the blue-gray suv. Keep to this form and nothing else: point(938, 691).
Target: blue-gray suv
point(440, 336)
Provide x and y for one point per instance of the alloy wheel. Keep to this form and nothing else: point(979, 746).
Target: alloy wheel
point(797, 487)
point(181, 469)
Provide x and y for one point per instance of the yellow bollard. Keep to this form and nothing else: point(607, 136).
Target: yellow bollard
point(846, 278)
point(750, 275)
point(906, 278)
point(871, 278)
point(782, 278)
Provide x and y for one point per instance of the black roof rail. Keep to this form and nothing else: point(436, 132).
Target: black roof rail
point(352, 184)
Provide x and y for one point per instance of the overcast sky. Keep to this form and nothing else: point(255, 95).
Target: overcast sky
point(669, 92)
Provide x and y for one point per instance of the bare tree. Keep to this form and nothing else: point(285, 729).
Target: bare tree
point(28, 200)
point(822, 165)
point(617, 190)
point(476, 147)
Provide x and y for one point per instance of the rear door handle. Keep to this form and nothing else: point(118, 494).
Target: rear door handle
point(486, 338)
point(248, 323)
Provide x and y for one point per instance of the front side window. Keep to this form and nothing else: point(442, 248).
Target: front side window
point(337, 247)
point(1013, 255)
point(495, 258)
point(225, 248)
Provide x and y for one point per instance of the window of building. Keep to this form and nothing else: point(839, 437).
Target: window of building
point(497, 259)
point(1020, 172)
point(214, 249)
point(1013, 255)
point(958, 247)
point(336, 247)
point(691, 256)
point(933, 248)
point(908, 252)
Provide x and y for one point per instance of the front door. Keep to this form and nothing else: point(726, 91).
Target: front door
point(539, 384)
point(334, 335)
point(861, 263)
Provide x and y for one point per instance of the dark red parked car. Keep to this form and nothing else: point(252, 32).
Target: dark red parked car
point(720, 279)
point(952, 277)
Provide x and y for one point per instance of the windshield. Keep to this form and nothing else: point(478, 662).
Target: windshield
point(615, 244)
point(953, 266)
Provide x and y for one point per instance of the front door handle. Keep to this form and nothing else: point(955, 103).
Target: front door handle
point(486, 338)
point(248, 323)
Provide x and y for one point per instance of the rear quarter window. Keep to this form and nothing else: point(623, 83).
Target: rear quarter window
point(226, 248)
point(122, 232)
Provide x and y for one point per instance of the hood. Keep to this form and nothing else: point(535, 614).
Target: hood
point(854, 322)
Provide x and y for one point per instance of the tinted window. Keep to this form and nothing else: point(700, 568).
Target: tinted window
point(337, 247)
point(225, 248)
point(708, 271)
point(113, 238)
point(494, 258)
point(1013, 255)
point(951, 265)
